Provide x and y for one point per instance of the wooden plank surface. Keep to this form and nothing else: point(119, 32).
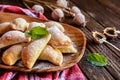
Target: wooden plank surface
point(99, 14)
point(102, 18)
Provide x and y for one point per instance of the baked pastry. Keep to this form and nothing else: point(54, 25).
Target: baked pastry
point(4, 27)
point(69, 49)
point(13, 37)
point(34, 24)
point(32, 51)
point(58, 39)
point(52, 55)
point(12, 54)
point(19, 24)
point(54, 24)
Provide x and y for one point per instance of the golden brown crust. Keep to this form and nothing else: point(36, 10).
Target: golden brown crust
point(19, 24)
point(12, 54)
point(54, 24)
point(4, 27)
point(34, 24)
point(58, 39)
point(13, 37)
point(32, 51)
point(69, 49)
point(52, 55)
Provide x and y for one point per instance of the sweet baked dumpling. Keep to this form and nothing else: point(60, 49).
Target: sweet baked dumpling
point(32, 51)
point(19, 24)
point(12, 54)
point(35, 24)
point(58, 39)
point(52, 55)
point(4, 27)
point(13, 37)
point(54, 24)
point(69, 49)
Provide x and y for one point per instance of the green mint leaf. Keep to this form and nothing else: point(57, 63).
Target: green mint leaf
point(37, 36)
point(37, 32)
point(97, 59)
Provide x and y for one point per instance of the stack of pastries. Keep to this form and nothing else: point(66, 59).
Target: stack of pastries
point(19, 46)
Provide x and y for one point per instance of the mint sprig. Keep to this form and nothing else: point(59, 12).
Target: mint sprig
point(97, 59)
point(37, 32)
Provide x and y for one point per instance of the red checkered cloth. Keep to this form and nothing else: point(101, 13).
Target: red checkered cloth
point(73, 73)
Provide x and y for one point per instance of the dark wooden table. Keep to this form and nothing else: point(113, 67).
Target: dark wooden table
point(99, 14)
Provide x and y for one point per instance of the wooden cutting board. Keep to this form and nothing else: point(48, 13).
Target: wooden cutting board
point(76, 35)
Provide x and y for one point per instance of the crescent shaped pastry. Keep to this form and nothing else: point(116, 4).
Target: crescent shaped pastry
point(13, 37)
point(33, 50)
point(4, 27)
point(58, 39)
point(55, 24)
point(69, 49)
point(12, 54)
point(34, 24)
point(19, 24)
point(52, 55)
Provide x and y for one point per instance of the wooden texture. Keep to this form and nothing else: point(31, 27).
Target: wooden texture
point(100, 17)
point(69, 60)
point(99, 14)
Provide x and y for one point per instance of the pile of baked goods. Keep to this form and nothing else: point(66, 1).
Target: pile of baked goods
point(20, 45)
